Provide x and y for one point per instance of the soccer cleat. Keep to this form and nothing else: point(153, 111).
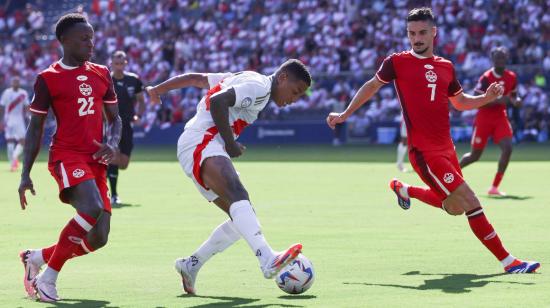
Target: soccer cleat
point(188, 269)
point(45, 290)
point(404, 202)
point(522, 267)
point(401, 168)
point(493, 191)
point(280, 260)
point(31, 271)
point(115, 199)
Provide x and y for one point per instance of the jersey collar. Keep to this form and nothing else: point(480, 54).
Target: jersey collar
point(495, 73)
point(419, 56)
point(65, 66)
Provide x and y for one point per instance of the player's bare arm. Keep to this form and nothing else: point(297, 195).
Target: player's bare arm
point(107, 150)
point(361, 97)
point(181, 81)
point(464, 101)
point(219, 109)
point(141, 104)
point(33, 139)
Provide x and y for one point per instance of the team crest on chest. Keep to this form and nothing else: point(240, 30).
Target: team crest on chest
point(85, 89)
point(247, 101)
point(431, 76)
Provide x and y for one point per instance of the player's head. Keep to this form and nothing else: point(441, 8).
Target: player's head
point(421, 29)
point(15, 82)
point(76, 36)
point(119, 61)
point(499, 55)
point(291, 81)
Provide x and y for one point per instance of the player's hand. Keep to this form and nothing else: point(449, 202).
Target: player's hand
point(235, 149)
point(335, 118)
point(495, 90)
point(105, 154)
point(517, 102)
point(24, 185)
point(155, 97)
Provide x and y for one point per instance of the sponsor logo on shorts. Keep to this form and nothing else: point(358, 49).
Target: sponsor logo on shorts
point(431, 76)
point(78, 173)
point(448, 178)
point(247, 101)
point(81, 78)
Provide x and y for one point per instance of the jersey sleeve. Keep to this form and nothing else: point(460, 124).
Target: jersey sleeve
point(215, 78)
point(454, 86)
point(386, 72)
point(110, 94)
point(247, 94)
point(139, 85)
point(482, 84)
point(42, 99)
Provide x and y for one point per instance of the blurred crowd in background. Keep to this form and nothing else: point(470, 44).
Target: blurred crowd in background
point(342, 41)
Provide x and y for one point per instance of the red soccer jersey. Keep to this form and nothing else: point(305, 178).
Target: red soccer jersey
point(76, 96)
point(423, 86)
point(508, 80)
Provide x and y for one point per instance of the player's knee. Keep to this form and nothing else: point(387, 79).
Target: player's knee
point(123, 165)
point(99, 239)
point(453, 209)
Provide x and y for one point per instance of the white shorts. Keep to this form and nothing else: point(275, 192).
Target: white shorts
point(193, 148)
point(16, 131)
point(403, 130)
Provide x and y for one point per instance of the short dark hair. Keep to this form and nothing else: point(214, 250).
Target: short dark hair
point(66, 22)
point(297, 69)
point(499, 49)
point(119, 54)
point(421, 14)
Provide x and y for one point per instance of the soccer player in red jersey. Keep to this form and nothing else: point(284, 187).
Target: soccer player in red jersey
point(492, 120)
point(424, 84)
point(78, 92)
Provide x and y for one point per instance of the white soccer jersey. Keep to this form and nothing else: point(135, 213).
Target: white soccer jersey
point(252, 92)
point(14, 103)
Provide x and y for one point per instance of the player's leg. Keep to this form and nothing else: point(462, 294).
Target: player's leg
point(463, 200)
point(219, 175)
point(220, 239)
point(480, 137)
point(503, 137)
point(470, 157)
point(401, 151)
point(10, 147)
point(121, 162)
point(85, 198)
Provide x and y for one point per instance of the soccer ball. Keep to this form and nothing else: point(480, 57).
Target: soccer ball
point(297, 276)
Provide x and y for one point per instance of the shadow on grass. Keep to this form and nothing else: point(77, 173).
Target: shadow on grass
point(123, 205)
point(508, 197)
point(88, 303)
point(295, 297)
point(227, 301)
point(450, 283)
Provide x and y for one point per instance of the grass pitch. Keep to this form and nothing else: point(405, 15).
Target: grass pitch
point(366, 251)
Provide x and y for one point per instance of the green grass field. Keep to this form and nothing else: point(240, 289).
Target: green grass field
point(367, 252)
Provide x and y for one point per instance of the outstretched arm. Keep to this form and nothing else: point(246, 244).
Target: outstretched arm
point(33, 140)
point(181, 81)
point(467, 102)
point(361, 97)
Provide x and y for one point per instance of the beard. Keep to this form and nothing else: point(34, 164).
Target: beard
point(421, 51)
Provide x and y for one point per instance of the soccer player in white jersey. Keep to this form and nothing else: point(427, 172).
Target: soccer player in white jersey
point(14, 101)
point(206, 147)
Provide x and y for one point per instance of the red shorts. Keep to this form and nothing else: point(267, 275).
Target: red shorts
point(71, 172)
point(440, 170)
point(495, 126)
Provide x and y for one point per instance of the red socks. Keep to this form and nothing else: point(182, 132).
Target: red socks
point(498, 179)
point(425, 195)
point(70, 239)
point(485, 233)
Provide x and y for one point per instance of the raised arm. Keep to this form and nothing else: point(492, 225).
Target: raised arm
point(181, 81)
point(361, 97)
point(467, 102)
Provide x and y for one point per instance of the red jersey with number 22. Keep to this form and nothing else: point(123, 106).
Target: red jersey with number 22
point(76, 96)
point(423, 86)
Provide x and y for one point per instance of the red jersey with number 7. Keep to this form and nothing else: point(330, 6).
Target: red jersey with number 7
point(423, 86)
point(76, 96)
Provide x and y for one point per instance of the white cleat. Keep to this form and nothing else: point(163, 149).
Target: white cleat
point(280, 260)
point(188, 269)
point(31, 271)
point(46, 290)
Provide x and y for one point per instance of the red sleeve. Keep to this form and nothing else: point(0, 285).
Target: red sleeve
point(41, 100)
point(110, 95)
point(386, 72)
point(482, 84)
point(454, 86)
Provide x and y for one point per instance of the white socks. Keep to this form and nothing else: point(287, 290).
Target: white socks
point(10, 148)
point(401, 151)
point(36, 257)
point(221, 238)
point(508, 260)
point(49, 275)
point(246, 223)
point(17, 151)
